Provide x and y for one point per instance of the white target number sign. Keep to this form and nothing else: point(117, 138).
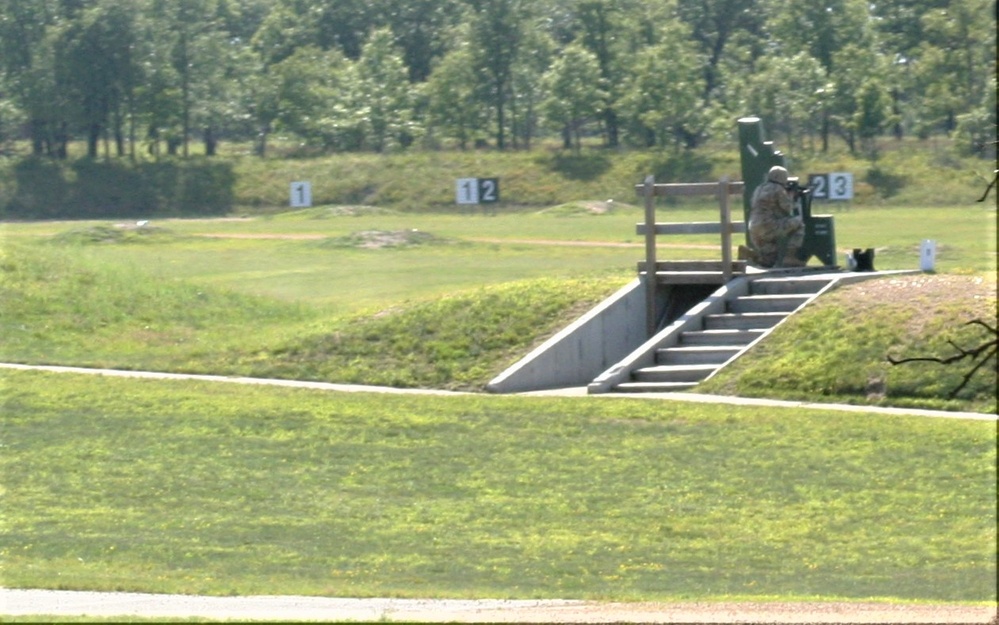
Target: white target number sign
point(477, 190)
point(835, 186)
point(301, 194)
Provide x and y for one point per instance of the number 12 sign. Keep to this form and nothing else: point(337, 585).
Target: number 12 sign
point(477, 190)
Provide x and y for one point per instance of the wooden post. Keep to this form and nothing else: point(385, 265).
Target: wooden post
point(651, 279)
point(726, 229)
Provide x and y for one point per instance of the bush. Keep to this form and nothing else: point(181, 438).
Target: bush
point(89, 189)
point(886, 183)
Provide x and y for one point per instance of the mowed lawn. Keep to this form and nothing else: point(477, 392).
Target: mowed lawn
point(471, 250)
point(167, 486)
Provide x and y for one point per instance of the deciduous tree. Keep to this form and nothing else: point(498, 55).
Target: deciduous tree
point(662, 93)
point(455, 108)
point(383, 80)
point(573, 91)
point(496, 30)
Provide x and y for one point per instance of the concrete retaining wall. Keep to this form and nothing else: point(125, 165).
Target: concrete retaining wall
point(583, 350)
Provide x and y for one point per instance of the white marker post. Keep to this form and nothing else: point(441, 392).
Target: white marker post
point(927, 255)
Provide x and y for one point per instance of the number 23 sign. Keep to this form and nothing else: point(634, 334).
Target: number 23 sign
point(835, 186)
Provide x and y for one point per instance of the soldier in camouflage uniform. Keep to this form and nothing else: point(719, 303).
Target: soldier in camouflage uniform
point(772, 223)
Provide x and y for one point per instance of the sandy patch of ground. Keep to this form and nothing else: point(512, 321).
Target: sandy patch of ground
point(285, 608)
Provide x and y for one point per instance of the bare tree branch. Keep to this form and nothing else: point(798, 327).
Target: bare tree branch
point(995, 176)
point(995, 173)
point(990, 347)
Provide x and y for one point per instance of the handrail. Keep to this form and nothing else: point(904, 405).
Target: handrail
point(650, 190)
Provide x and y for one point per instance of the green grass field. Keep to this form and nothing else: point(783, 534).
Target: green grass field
point(193, 487)
point(223, 489)
point(307, 263)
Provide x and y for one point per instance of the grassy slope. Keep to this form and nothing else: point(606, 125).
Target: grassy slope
point(61, 307)
point(207, 488)
point(57, 308)
point(372, 316)
point(838, 348)
point(910, 173)
point(420, 181)
point(457, 342)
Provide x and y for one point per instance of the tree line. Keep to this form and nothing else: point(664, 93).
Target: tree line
point(379, 75)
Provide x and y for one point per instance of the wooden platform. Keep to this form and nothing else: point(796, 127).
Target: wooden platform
point(695, 272)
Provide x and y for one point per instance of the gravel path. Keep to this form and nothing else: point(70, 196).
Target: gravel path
point(74, 603)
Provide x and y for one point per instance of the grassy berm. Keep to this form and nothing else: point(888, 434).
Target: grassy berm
point(58, 308)
point(839, 348)
point(228, 489)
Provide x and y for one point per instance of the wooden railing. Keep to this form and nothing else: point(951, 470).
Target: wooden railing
point(651, 229)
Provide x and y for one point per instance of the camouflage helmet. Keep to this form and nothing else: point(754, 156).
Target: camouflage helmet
point(777, 174)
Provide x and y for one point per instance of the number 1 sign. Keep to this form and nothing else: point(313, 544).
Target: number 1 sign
point(301, 194)
point(467, 191)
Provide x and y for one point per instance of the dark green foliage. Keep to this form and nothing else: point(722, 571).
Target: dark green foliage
point(90, 189)
point(574, 166)
point(161, 75)
point(685, 166)
point(885, 182)
point(122, 233)
point(39, 190)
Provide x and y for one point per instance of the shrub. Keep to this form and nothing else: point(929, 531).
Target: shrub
point(885, 182)
point(89, 189)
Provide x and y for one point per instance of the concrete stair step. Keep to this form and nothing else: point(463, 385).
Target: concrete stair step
point(767, 303)
point(725, 337)
point(654, 387)
point(743, 321)
point(696, 354)
point(673, 373)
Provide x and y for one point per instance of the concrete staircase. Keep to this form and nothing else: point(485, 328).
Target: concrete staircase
point(712, 335)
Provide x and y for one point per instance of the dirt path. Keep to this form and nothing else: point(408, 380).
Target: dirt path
point(306, 236)
point(287, 608)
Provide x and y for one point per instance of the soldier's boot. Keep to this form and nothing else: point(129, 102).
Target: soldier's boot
point(748, 255)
